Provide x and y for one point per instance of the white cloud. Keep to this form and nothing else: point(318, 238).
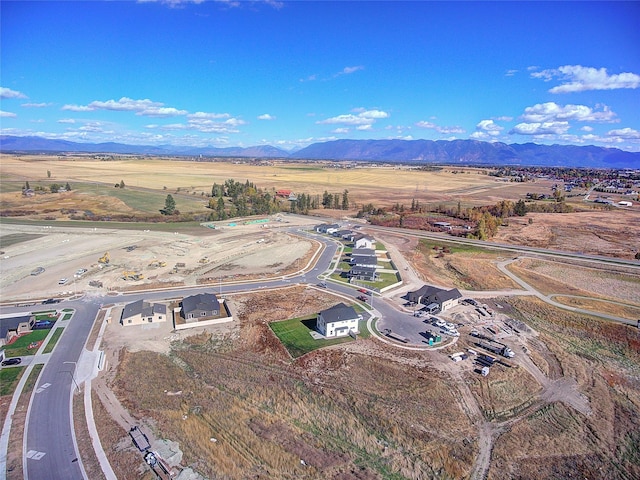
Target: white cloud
point(438, 128)
point(489, 127)
point(364, 117)
point(67, 120)
point(541, 128)
point(587, 128)
point(577, 78)
point(551, 112)
point(625, 133)
point(340, 130)
point(145, 107)
point(266, 116)
point(350, 70)
point(8, 93)
point(7, 114)
point(510, 73)
point(503, 118)
point(77, 108)
point(208, 115)
point(36, 105)
point(364, 127)
point(161, 112)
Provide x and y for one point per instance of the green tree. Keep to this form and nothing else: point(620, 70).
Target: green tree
point(26, 185)
point(345, 200)
point(520, 208)
point(169, 206)
point(48, 173)
point(67, 187)
point(121, 183)
point(54, 188)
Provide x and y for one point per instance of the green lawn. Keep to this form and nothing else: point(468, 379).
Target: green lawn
point(53, 340)
point(9, 378)
point(295, 336)
point(19, 347)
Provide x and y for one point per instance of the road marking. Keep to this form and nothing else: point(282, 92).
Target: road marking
point(35, 455)
point(42, 387)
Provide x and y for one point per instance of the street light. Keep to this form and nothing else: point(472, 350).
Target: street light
point(75, 366)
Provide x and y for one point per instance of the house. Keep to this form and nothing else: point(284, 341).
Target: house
point(363, 273)
point(284, 193)
point(363, 261)
point(337, 321)
point(13, 327)
point(200, 306)
point(429, 294)
point(341, 233)
point(364, 252)
point(364, 242)
point(28, 192)
point(327, 228)
point(141, 313)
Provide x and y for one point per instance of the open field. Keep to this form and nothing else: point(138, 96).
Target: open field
point(562, 278)
point(589, 230)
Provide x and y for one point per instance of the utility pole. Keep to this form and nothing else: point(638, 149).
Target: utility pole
point(75, 366)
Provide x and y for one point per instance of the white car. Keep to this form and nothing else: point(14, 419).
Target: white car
point(441, 323)
point(63, 281)
point(81, 272)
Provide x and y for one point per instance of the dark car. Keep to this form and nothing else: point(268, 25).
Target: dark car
point(12, 361)
point(49, 301)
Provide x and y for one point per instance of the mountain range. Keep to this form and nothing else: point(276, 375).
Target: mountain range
point(449, 152)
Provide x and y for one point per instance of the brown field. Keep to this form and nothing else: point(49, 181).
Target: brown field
point(556, 441)
point(617, 284)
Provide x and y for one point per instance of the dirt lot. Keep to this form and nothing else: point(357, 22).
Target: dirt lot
point(212, 255)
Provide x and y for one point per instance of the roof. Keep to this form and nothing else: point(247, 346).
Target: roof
point(368, 252)
point(146, 309)
point(448, 295)
point(364, 260)
point(201, 301)
point(358, 270)
point(339, 313)
point(133, 309)
point(12, 323)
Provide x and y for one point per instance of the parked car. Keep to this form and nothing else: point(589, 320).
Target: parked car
point(362, 298)
point(322, 285)
point(440, 323)
point(50, 301)
point(12, 361)
point(81, 272)
point(63, 281)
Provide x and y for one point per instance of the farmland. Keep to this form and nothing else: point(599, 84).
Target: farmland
point(259, 398)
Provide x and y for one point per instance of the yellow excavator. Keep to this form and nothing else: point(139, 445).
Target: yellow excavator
point(130, 275)
point(104, 259)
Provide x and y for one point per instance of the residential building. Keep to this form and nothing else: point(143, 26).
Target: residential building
point(337, 321)
point(142, 312)
point(200, 306)
point(429, 294)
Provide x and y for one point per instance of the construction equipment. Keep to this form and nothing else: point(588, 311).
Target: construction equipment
point(204, 260)
point(157, 263)
point(131, 275)
point(104, 259)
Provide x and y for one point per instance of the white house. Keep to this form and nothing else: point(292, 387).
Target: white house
point(337, 321)
point(141, 312)
point(364, 242)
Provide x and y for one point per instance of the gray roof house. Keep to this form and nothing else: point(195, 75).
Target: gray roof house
point(337, 321)
point(142, 312)
point(200, 306)
point(365, 252)
point(429, 294)
point(363, 261)
point(363, 273)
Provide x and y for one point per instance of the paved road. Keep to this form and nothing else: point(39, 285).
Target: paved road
point(50, 448)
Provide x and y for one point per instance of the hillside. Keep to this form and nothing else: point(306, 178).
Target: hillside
point(450, 152)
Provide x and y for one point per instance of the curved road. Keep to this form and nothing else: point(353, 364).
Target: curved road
point(50, 449)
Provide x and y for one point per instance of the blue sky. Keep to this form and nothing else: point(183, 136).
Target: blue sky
point(288, 74)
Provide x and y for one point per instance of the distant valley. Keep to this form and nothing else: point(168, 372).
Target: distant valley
point(449, 152)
